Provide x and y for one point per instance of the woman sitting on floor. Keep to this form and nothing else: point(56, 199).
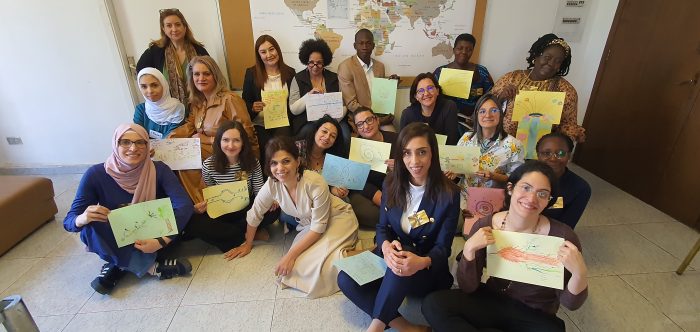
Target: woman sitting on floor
point(127, 177)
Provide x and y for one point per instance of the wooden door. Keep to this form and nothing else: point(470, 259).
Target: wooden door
point(642, 100)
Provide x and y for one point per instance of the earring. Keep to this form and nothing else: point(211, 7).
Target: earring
point(510, 193)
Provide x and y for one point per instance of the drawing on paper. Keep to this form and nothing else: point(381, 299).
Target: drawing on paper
point(536, 113)
point(370, 152)
point(178, 153)
point(146, 220)
point(459, 159)
point(484, 201)
point(226, 198)
point(341, 172)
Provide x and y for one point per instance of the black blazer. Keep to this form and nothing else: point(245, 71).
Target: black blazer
point(304, 81)
point(251, 93)
point(154, 57)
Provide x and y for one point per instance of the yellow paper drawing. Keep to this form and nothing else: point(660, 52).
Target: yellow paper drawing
point(441, 139)
point(275, 111)
point(370, 152)
point(536, 112)
point(524, 257)
point(456, 82)
point(459, 159)
point(226, 198)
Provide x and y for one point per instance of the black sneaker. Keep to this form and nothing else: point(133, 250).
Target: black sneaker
point(172, 268)
point(105, 282)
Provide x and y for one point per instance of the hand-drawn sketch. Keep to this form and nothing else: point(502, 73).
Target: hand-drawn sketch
point(536, 113)
point(320, 104)
point(275, 110)
point(226, 198)
point(370, 152)
point(341, 172)
point(459, 159)
point(146, 220)
point(383, 95)
point(484, 201)
point(178, 153)
point(527, 258)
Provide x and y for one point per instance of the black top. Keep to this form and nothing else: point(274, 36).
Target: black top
point(375, 180)
point(304, 81)
point(251, 93)
point(575, 193)
point(154, 57)
point(443, 120)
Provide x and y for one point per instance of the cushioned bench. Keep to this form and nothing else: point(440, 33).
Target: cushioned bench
point(26, 203)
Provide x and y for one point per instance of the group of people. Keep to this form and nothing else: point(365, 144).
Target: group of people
point(415, 206)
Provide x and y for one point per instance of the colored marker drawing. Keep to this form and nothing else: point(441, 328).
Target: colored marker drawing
point(527, 258)
point(226, 198)
point(178, 153)
point(146, 220)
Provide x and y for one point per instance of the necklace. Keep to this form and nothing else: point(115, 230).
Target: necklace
point(534, 230)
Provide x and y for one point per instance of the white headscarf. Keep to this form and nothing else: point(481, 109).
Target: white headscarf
point(167, 110)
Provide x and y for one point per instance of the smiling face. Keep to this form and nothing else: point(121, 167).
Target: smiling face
point(315, 63)
point(530, 195)
point(132, 149)
point(231, 144)
point(203, 78)
point(463, 52)
point(489, 115)
point(174, 28)
point(548, 64)
point(417, 158)
point(325, 136)
point(268, 53)
point(369, 128)
point(150, 88)
point(284, 167)
point(426, 93)
point(551, 150)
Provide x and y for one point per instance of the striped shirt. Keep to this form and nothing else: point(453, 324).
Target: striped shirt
point(233, 173)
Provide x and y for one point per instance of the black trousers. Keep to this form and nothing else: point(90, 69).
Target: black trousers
point(483, 310)
point(225, 232)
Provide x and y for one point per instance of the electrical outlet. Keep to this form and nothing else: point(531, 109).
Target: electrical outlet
point(14, 140)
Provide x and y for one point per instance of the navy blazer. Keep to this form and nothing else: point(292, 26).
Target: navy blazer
point(433, 239)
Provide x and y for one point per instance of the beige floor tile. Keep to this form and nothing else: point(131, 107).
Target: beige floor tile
point(612, 305)
point(618, 249)
point(70, 246)
point(13, 269)
point(675, 237)
point(688, 322)
point(64, 201)
point(63, 182)
point(334, 312)
point(239, 316)
point(669, 292)
point(570, 326)
point(242, 279)
point(41, 242)
point(53, 323)
point(153, 319)
point(56, 286)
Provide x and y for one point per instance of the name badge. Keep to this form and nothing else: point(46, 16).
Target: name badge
point(559, 204)
point(419, 218)
point(154, 134)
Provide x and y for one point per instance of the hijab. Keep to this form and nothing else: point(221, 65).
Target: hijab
point(139, 180)
point(167, 110)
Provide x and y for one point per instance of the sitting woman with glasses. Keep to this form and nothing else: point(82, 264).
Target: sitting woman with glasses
point(555, 150)
point(500, 153)
point(429, 106)
point(314, 79)
point(127, 177)
point(172, 52)
point(506, 305)
point(418, 216)
point(366, 202)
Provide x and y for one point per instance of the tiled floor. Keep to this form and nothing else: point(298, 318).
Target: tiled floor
point(631, 250)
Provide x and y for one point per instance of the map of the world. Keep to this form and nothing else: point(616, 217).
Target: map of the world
point(411, 36)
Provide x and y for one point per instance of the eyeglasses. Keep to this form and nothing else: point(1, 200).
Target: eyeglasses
point(367, 121)
point(315, 64)
point(168, 10)
point(543, 194)
point(127, 143)
point(430, 88)
point(492, 110)
point(559, 154)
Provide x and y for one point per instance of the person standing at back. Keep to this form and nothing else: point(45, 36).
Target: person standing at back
point(355, 75)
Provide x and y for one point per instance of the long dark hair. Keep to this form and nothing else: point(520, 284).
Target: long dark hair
point(338, 149)
point(245, 158)
point(397, 182)
point(260, 72)
point(282, 143)
point(500, 131)
point(535, 166)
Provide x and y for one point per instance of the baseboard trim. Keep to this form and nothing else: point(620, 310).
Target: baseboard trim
point(51, 170)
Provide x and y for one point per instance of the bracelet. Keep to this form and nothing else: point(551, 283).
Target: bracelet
point(162, 242)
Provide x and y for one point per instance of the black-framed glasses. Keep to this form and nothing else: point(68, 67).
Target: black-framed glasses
point(127, 143)
point(559, 154)
point(318, 64)
point(543, 194)
point(492, 110)
point(430, 89)
point(368, 121)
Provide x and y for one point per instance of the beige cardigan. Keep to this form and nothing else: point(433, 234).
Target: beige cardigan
point(353, 82)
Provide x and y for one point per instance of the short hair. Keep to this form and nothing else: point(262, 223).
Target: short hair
point(245, 158)
point(414, 86)
point(165, 40)
point(467, 37)
point(361, 109)
point(281, 143)
point(500, 130)
point(315, 45)
point(554, 135)
point(260, 72)
point(195, 96)
point(364, 31)
point(337, 149)
point(535, 166)
point(542, 44)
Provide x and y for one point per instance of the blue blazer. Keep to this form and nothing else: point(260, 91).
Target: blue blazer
point(433, 239)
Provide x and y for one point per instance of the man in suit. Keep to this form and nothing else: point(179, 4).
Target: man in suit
point(355, 75)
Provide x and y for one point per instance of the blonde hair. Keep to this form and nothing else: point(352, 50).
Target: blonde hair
point(196, 97)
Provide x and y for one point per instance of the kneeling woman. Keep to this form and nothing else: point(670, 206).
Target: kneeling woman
point(418, 218)
point(510, 305)
point(127, 177)
point(327, 225)
point(233, 160)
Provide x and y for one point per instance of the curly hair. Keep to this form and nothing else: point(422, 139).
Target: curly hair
point(315, 45)
point(542, 44)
